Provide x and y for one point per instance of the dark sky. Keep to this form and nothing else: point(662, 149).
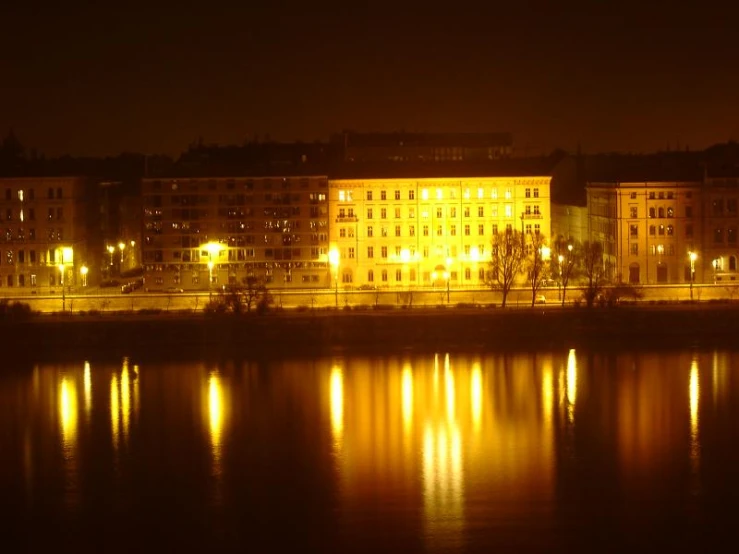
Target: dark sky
point(609, 75)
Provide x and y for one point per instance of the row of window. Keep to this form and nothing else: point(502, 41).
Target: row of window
point(440, 230)
point(653, 195)
point(427, 276)
point(348, 195)
point(51, 194)
point(267, 184)
point(439, 251)
point(10, 216)
point(529, 210)
point(11, 235)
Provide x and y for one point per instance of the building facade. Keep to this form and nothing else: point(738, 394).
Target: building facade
point(44, 234)
point(649, 229)
point(719, 247)
point(428, 232)
point(201, 233)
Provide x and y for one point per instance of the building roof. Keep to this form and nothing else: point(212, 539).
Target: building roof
point(512, 167)
point(353, 139)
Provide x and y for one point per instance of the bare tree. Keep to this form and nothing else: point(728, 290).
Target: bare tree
point(238, 299)
point(536, 267)
point(506, 261)
point(566, 255)
point(594, 271)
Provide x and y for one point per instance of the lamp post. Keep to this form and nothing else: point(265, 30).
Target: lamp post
point(212, 248)
point(333, 260)
point(61, 282)
point(84, 271)
point(121, 247)
point(693, 256)
point(110, 249)
point(560, 259)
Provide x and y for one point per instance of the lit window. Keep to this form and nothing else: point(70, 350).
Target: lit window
point(509, 210)
point(439, 194)
point(342, 196)
point(494, 194)
point(370, 252)
point(466, 194)
point(508, 194)
point(424, 194)
point(480, 193)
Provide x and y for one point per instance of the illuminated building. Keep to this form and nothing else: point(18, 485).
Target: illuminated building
point(44, 236)
point(427, 231)
point(274, 228)
point(648, 229)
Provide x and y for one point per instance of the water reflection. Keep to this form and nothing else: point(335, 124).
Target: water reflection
point(450, 451)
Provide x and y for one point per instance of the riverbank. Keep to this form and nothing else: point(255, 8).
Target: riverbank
point(321, 332)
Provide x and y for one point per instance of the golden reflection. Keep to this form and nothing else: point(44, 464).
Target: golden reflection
point(337, 404)
point(135, 392)
point(449, 388)
point(694, 393)
point(547, 393)
point(88, 389)
point(476, 396)
point(407, 385)
point(114, 410)
point(215, 417)
point(68, 413)
point(571, 385)
point(125, 400)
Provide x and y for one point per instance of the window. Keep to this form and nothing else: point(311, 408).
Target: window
point(351, 252)
point(718, 235)
point(689, 230)
point(688, 211)
point(651, 195)
point(439, 212)
point(342, 232)
point(383, 213)
point(383, 195)
point(369, 195)
point(425, 230)
point(397, 213)
point(412, 213)
point(732, 263)
point(370, 251)
point(481, 229)
point(453, 230)
point(652, 213)
point(369, 213)
point(527, 193)
point(467, 230)
point(467, 211)
point(370, 231)
point(509, 210)
point(371, 276)
point(661, 213)
point(670, 211)
point(633, 230)
point(661, 195)
point(731, 206)
point(398, 275)
point(480, 211)
point(453, 211)
point(670, 230)
point(439, 231)
point(536, 193)
point(494, 194)
point(537, 229)
point(661, 229)
point(633, 196)
point(652, 230)
point(384, 275)
point(670, 195)
point(467, 274)
point(383, 252)
point(634, 249)
point(397, 195)
point(383, 231)
point(411, 194)
point(536, 210)
point(412, 230)
point(633, 212)
point(424, 194)
point(718, 206)
point(397, 230)
point(731, 235)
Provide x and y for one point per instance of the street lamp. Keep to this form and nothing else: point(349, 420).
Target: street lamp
point(333, 259)
point(84, 271)
point(212, 248)
point(560, 259)
point(693, 256)
point(111, 249)
point(121, 247)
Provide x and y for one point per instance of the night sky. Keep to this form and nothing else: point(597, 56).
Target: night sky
point(102, 80)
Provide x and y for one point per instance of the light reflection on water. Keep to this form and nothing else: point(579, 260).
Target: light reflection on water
point(440, 452)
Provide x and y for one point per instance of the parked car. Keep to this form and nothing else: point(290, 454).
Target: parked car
point(173, 290)
point(541, 299)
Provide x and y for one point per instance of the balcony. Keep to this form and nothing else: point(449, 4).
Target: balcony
point(347, 219)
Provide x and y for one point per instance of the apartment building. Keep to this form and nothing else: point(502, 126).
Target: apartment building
point(201, 233)
point(430, 231)
point(719, 249)
point(44, 233)
point(648, 229)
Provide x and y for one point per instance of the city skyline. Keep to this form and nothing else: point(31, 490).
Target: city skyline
point(95, 83)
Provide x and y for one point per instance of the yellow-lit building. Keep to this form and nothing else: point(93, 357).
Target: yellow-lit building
point(430, 231)
point(651, 230)
point(44, 237)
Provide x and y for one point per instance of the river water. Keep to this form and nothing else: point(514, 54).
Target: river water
point(554, 451)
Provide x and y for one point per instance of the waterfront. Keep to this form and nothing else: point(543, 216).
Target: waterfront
point(559, 450)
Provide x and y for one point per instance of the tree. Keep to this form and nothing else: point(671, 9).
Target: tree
point(506, 261)
point(566, 254)
point(593, 268)
point(537, 269)
point(238, 299)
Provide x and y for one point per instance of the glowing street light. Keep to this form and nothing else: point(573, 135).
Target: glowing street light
point(692, 256)
point(213, 248)
point(84, 271)
point(65, 256)
point(333, 260)
point(111, 249)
